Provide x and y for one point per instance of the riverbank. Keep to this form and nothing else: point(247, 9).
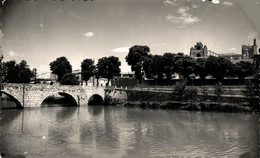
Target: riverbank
point(205, 106)
point(231, 99)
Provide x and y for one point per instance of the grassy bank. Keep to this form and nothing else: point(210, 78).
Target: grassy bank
point(194, 106)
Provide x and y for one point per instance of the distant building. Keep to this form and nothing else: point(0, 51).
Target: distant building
point(200, 51)
point(248, 51)
point(232, 56)
point(46, 77)
point(127, 75)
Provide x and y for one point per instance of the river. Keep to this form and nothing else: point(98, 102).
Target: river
point(98, 131)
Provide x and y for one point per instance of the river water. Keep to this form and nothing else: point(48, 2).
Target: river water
point(98, 131)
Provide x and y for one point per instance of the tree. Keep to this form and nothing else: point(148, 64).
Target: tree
point(87, 69)
point(200, 68)
point(10, 71)
point(16, 73)
point(184, 65)
point(69, 79)
point(157, 67)
point(244, 69)
point(135, 58)
point(153, 67)
point(147, 66)
point(218, 67)
point(168, 64)
point(60, 67)
point(25, 75)
point(108, 67)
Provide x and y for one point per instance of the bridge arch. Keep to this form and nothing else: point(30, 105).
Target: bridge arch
point(73, 99)
point(17, 102)
point(96, 99)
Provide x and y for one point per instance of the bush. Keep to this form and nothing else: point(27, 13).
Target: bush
point(190, 93)
point(180, 86)
point(218, 91)
point(184, 92)
point(69, 79)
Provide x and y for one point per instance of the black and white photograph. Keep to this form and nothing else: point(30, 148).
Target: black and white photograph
point(129, 79)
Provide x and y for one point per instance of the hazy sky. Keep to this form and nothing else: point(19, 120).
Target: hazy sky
point(42, 30)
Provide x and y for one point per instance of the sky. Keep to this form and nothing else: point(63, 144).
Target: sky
point(39, 31)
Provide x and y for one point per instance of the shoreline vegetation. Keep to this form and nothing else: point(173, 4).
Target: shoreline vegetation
point(218, 98)
point(202, 106)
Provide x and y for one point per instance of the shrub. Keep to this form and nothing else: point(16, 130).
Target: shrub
point(180, 86)
point(69, 79)
point(252, 92)
point(190, 93)
point(218, 91)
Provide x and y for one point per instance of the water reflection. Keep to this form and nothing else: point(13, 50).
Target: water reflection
point(99, 131)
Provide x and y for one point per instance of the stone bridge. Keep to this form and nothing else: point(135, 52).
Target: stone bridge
point(33, 95)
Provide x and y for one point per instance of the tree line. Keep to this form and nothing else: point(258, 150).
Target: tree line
point(159, 67)
point(143, 64)
point(107, 67)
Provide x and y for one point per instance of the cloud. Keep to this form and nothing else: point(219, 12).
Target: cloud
point(168, 2)
point(227, 3)
point(184, 17)
point(73, 14)
point(232, 49)
point(13, 54)
point(41, 25)
point(213, 1)
point(89, 34)
point(195, 6)
point(121, 50)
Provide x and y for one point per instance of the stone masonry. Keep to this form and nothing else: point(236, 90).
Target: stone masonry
point(32, 95)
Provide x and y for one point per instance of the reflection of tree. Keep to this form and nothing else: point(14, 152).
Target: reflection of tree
point(167, 133)
point(95, 110)
point(100, 132)
point(87, 129)
point(107, 137)
point(65, 113)
point(86, 135)
point(62, 130)
point(8, 118)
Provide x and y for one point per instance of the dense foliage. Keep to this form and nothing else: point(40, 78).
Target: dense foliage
point(159, 67)
point(16, 73)
point(60, 67)
point(108, 67)
point(200, 68)
point(185, 66)
point(244, 69)
point(87, 69)
point(219, 67)
point(69, 79)
point(169, 68)
point(135, 58)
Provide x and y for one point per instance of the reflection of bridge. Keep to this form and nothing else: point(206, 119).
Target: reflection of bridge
point(32, 95)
